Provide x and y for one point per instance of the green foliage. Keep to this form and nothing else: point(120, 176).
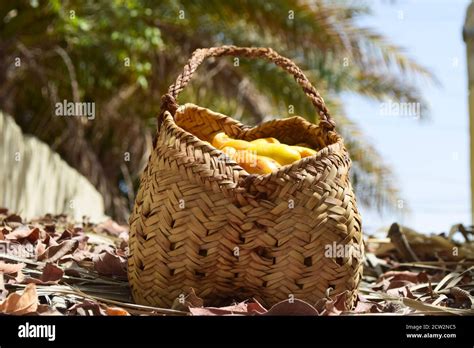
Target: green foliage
point(123, 55)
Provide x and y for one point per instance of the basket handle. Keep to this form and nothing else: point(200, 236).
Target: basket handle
point(169, 100)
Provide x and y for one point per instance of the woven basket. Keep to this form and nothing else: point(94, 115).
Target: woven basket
point(203, 222)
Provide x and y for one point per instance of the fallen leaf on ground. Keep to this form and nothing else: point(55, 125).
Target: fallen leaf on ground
point(414, 277)
point(112, 228)
point(81, 255)
point(397, 279)
point(24, 232)
point(10, 268)
point(292, 307)
point(13, 218)
point(187, 300)
point(116, 311)
point(40, 248)
point(20, 277)
point(3, 291)
point(56, 252)
point(112, 265)
point(367, 307)
point(65, 236)
point(242, 308)
point(51, 274)
point(336, 305)
point(403, 291)
point(255, 307)
point(50, 228)
point(49, 241)
point(73, 269)
point(236, 309)
point(20, 304)
point(47, 310)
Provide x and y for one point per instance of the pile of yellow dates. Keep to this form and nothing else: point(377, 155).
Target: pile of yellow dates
point(261, 156)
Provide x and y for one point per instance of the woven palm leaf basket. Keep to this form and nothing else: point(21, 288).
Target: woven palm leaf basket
point(204, 223)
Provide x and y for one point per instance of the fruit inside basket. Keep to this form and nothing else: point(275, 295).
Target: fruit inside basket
point(260, 156)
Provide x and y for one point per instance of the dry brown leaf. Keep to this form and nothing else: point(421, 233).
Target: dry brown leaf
point(116, 311)
point(20, 277)
point(51, 274)
point(242, 308)
point(111, 265)
point(47, 310)
point(65, 236)
point(81, 255)
point(40, 248)
point(73, 269)
point(367, 307)
point(50, 228)
point(20, 304)
point(10, 268)
point(396, 279)
point(56, 252)
point(414, 277)
point(13, 218)
point(292, 307)
point(255, 307)
point(24, 232)
point(381, 285)
point(187, 300)
point(395, 284)
point(336, 305)
point(210, 311)
point(403, 291)
point(363, 305)
point(82, 240)
point(236, 309)
point(3, 291)
point(49, 241)
point(112, 228)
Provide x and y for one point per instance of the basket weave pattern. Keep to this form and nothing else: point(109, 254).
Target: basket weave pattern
point(203, 222)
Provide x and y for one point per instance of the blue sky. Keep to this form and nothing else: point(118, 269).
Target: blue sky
point(430, 158)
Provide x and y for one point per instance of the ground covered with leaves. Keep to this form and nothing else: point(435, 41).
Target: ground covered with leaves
point(55, 266)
